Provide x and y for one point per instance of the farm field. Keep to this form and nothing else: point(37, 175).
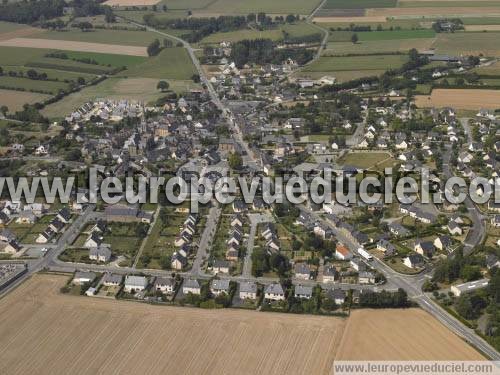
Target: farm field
point(359, 4)
point(482, 27)
point(130, 2)
point(388, 332)
point(49, 87)
point(47, 332)
point(448, 11)
point(378, 46)
point(447, 3)
point(171, 63)
point(15, 100)
point(75, 46)
point(61, 75)
point(468, 44)
point(353, 63)
point(9, 30)
point(460, 98)
point(117, 37)
point(341, 76)
point(245, 7)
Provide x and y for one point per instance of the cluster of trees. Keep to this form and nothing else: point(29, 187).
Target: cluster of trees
point(64, 56)
point(155, 47)
point(311, 38)
point(384, 299)
point(262, 263)
point(57, 24)
point(41, 10)
point(83, 26)
point(30, 113)
point(451, 269)
point(263, 51)
point(448, 25)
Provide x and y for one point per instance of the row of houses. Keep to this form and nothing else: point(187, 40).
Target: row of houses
point(55, 226)
point(235, 238)
point(183, 241)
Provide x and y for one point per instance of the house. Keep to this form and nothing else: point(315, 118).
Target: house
point(221, 266)
point(414, 261)
point(100, 254)
point(342, 253)
point(64, 215)
point(94, 240)
point(56, 225)
point(357, 264)
point(12, 247)
point(274, 292)
point(217, 287)
point(386, 247)
point(472, 286)
point(81, 278)
point(178, 261)
point(45, 236)
point(191, 286)
point(232, 253)
point(330, 274)
point(302, 291)
point(337, 295)
point(164, 285)
point(236, 220)
point(398, 230)
point(26, 217)
point(454, 229)
point(4, 218)
point(7, 236)
point(366, 277)
point(302, 271)
point(492, 261)
point(401, 144)
point(495, 221)
point(248, 290)
point(239, 206)
point(110, 279)
point(443, 243)
point(425, 248)
point(135, 283)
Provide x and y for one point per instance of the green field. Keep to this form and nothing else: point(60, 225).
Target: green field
point(6, 27)
point(229, 7)
point(370, 36)
point(187, 4)
point(20, 56)
point(52, 74)
point(406, 24)
point(293, 30)
point(481, 21)
point(469, 43)
point(120, 37)
point(171, 63)
point(379, 46)
point(354, 63)
point(108, 59)
point(48, 87)
point(368, 160)
point(359, 4)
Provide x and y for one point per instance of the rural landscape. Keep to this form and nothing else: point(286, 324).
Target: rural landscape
point(135, 104)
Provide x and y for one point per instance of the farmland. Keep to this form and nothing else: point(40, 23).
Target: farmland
point(473, 43)
point(245, 7)
point(123, 337)
point(359, 4)
point(379, 46)
point(461, 99)
point(15, 100)
point(75, 46)
point(25, 84)
point(353, 63)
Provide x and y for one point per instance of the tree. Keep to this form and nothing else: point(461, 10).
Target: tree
point(81, 81)
point(196, 78)
point(235, 161)
point(163, 216)
point(163, 86)
point(109, 16)
point(85, 26)
point(154, 48)
point(141, 230)
point(164, 8)
point(4, 109)
point(354, 38)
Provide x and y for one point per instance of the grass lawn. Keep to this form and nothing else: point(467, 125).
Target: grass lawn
point(47, 87)
point(121, 37)
point(468, 43)
point(171, 63)
point(123, 239)
point(367, 160)
point(75, 256)
point(359, 4)
point(354, 63)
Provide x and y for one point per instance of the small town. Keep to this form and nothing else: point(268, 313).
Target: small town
point(258, 100)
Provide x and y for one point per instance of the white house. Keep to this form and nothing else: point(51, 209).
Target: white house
point(274, 292)
point(191, 286)
point(135, 283)
point(248, 290)
point(164, 284)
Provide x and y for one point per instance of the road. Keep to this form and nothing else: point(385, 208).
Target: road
point(207, 236)
point(145, 240)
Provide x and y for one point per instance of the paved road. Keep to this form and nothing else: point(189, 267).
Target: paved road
point(255, 220)
point(206, 240)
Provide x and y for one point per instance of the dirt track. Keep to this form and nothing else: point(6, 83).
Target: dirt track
point(44, 332)
point(75, 46)
point(460, 99)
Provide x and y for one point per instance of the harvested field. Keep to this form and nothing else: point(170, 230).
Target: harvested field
point(18, 32)
point(460, 99)
point(45, 332)
point(75, 46)
point(468, 44)
point(482, 28)
point(381, 46)
point(380, 19)
point(16, 99)
point(400, 335)
point(125, 3)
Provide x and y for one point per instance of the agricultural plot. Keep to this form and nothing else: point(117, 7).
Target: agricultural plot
point(432, 12)
point(446, 3)
point(171, 63)
point(123, 337)
point(75, 46)
point(359, 4)
point(370, 36)
point(9, 30)
point(461, 99)
point(220, 7)
point(355, 63)
point(378, 46)
point(15, 100)
point(52, 74)
point(115, 37)
point(26, 84)
point(468, 44)
point(131, 2)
